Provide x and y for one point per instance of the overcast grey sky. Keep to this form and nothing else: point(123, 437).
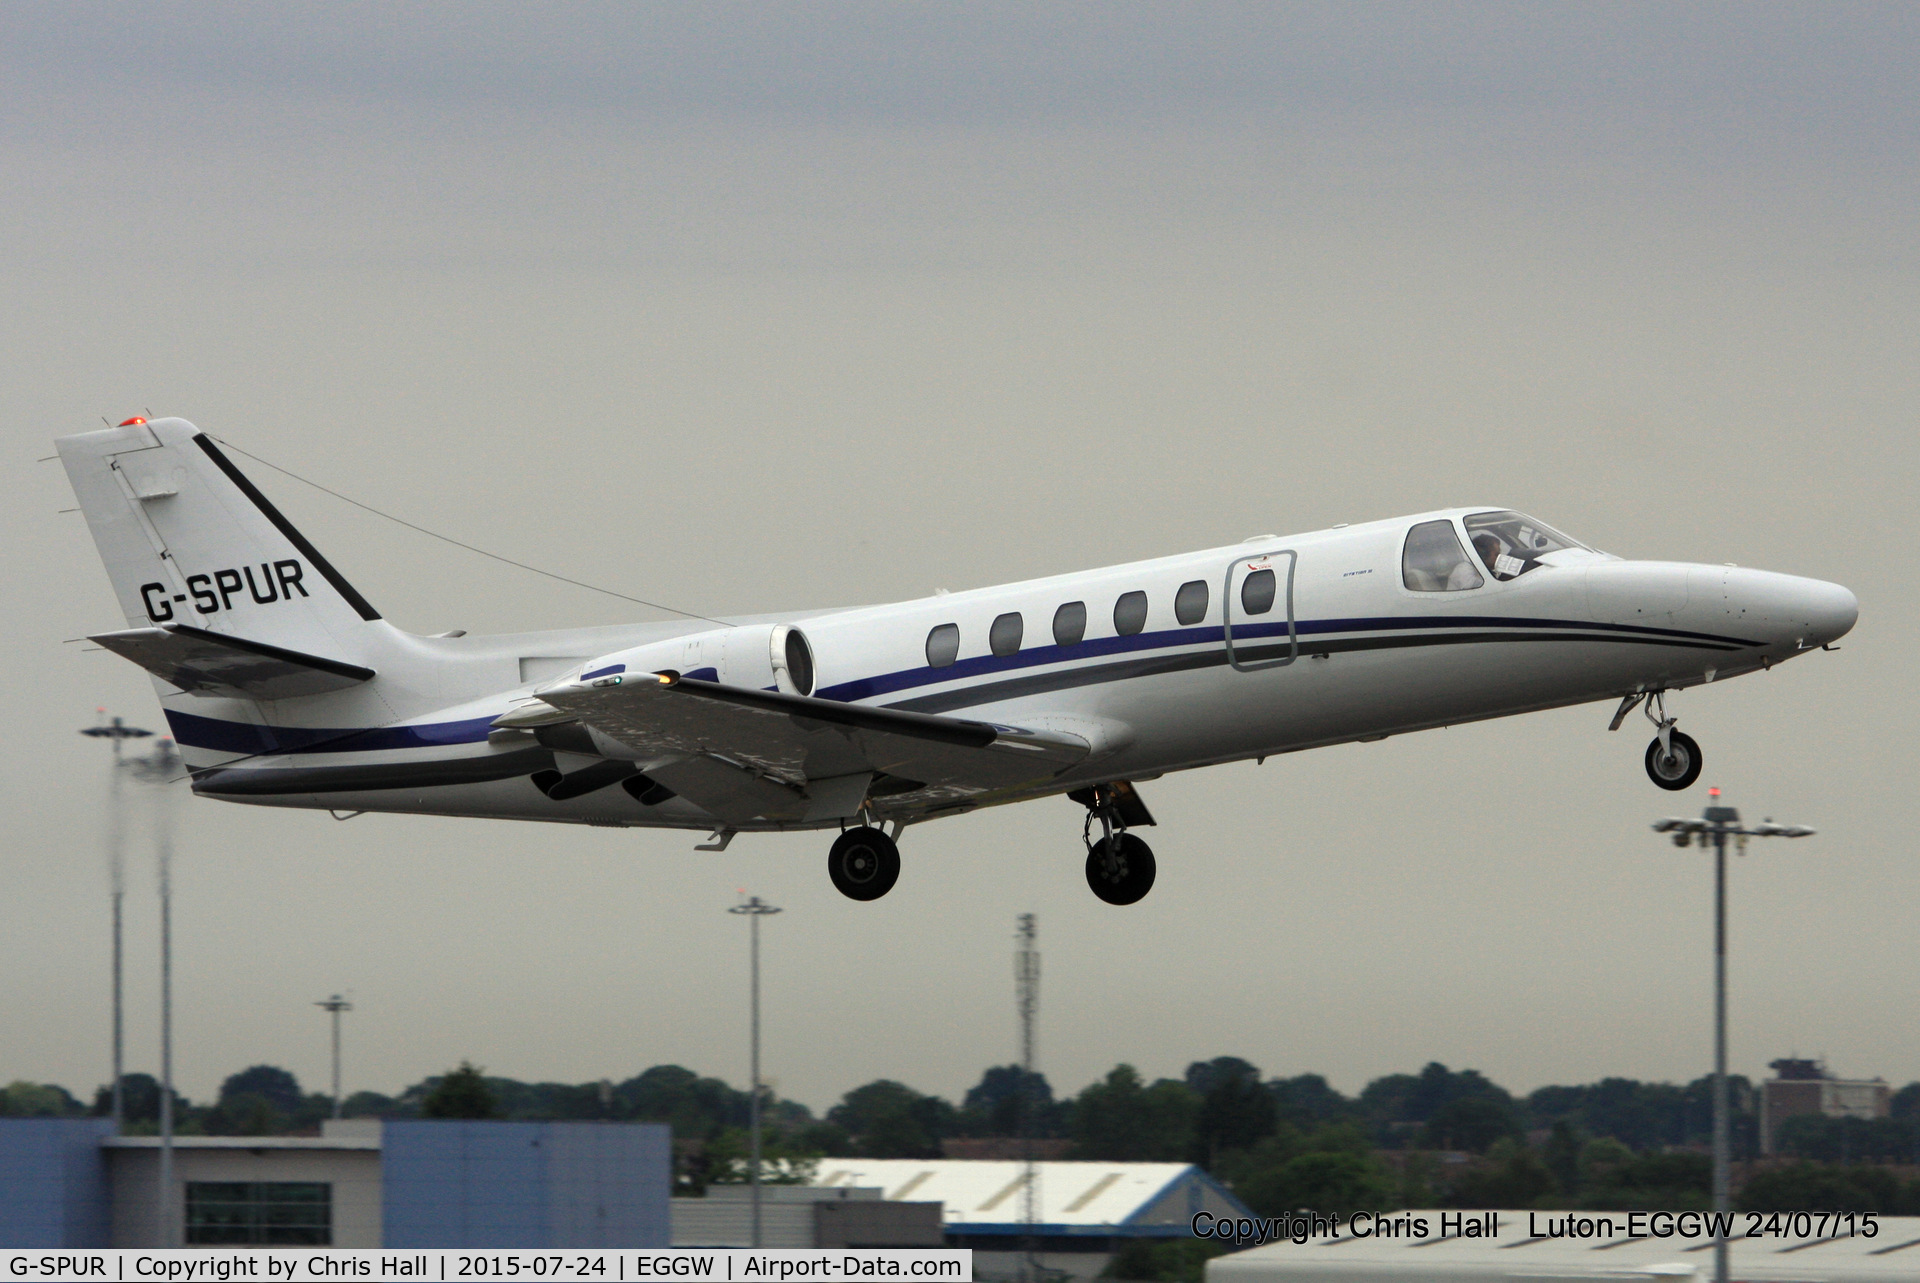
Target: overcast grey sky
point(749, 307)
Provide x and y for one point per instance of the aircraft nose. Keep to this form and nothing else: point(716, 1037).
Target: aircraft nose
point(1787, 613)
point(1831, 611)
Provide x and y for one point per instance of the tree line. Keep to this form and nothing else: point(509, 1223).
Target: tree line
point(1439, 1137)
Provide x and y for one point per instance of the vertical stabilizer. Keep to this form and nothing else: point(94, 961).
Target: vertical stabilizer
point(189, 542)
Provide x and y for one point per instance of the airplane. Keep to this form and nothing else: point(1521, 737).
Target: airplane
point(283, 686)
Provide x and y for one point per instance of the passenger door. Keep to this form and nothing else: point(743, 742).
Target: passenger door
point(1256, 611)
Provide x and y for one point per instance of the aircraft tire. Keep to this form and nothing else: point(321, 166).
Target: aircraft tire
point(864, 863)
point(1120, 869)
point(1677, 770)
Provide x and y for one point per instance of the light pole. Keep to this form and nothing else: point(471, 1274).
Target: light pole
point(1714, 826)
point(755, 909)
point(161, 768)
point(117, 732)
point(335, 1005)
point(1026, 978)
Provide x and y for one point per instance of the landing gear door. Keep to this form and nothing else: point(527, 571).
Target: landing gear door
point(1257, 611)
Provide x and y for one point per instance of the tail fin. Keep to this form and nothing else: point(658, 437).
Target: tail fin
point(194, 550)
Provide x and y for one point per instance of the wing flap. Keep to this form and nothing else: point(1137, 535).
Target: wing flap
point(791, 741)
point(729, 792)
point(212, 664)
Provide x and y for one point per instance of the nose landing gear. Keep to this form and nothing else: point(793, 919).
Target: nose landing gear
point(1120, 866)
point(1675, 766)
point(1673, 758)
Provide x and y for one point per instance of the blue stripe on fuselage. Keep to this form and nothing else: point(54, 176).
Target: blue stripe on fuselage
point(193, 731)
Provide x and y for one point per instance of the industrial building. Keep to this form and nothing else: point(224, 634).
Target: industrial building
point(360, 1183)
point(1083, 1212)
point(1516, 1252)
point(805, 1216)
point(1805, 1087)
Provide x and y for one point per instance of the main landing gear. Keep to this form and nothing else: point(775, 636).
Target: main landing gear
point(864, 863)
point(1673, 758)
point(1120, 866)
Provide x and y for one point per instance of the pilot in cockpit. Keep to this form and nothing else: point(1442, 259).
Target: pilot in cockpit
point(1511, 543)
point(1489, 547)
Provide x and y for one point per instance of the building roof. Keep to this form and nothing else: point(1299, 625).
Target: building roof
point(986, 1197)
point(245, 1142)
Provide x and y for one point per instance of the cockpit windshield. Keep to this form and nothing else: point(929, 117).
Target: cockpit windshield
point(1511, 543)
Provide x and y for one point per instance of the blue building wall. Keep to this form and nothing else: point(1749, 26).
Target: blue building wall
point(532, 1185)
point(53, 1182)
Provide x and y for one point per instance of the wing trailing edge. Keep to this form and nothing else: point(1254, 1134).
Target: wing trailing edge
point(744, 753)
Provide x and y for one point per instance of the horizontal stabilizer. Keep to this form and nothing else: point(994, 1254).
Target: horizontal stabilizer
point(207, 663)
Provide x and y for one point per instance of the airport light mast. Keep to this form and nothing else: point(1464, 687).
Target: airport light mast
point(161, 768)
point(755, 909)
point(1026, 976)
point(117, 732)
point(1715, 825)
point(334, 1006)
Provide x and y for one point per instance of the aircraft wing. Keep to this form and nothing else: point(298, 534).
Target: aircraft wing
point(748, 754)
point(209, 663)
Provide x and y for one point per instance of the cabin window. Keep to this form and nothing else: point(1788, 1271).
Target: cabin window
point(1130, 613)
point(1004, 637)
point(1070, 623)
point(1511, 543)
point(1190, 603)
point(1434, 561)
point(943, 645)
point(1256, 592)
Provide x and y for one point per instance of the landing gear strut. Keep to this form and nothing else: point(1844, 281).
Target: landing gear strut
point(1120, 866)
point(864, 863)
point(1673, 758)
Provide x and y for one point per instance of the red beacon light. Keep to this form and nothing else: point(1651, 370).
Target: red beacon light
point(135, 421)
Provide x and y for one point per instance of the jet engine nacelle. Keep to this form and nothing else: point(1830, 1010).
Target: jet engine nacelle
point(763, 655)
point(757, 655)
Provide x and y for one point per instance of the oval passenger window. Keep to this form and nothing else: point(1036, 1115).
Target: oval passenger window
point(1070, 623)
point(1130, 613)
point(1256, 592)
point(1004, 637)
point(943, 645)
point(1190, 603)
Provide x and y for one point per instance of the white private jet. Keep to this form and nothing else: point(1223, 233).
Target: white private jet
point(284, 687)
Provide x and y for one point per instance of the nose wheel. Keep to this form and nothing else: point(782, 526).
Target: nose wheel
point(1676, 764)
point(864, 863)
point(1673, 758)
